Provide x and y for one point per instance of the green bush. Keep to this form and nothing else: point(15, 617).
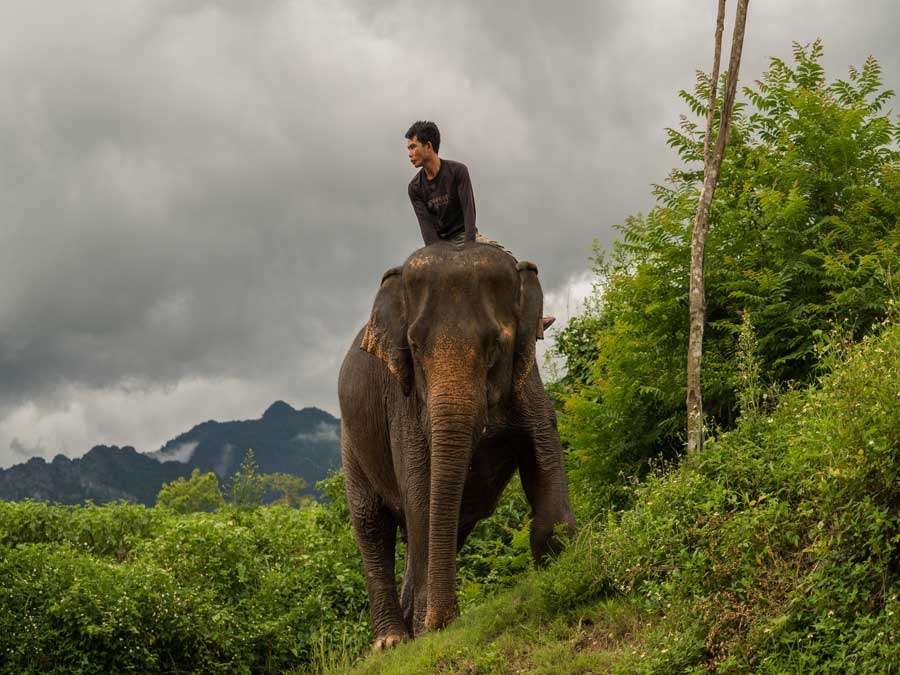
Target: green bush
point(105, 531)
point(197, 493)
point(498, 551)
point(128, 589)
point(775, 550)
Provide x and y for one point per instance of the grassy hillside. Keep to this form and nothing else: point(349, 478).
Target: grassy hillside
point(776, 550)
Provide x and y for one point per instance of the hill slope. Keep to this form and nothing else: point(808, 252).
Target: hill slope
point(777, 550)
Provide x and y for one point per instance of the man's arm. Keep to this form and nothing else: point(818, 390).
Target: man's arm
point(466, 201)
point(426, 222)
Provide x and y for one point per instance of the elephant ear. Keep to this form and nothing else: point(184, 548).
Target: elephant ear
point(385, 334)
point(530, 322)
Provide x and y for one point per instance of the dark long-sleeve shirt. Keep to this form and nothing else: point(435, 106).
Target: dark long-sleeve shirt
point(445, 205)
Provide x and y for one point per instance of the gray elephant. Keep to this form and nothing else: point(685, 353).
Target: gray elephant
point(441, 401)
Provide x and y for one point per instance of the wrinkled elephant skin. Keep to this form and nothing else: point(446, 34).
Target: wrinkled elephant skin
point(441, 402)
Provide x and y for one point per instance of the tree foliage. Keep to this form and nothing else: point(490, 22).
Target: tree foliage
point(804, 238)
point(197, 493)
point(248, 487)
point(287, 488)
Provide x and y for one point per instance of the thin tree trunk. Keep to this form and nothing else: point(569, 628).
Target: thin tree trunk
point(712, 163)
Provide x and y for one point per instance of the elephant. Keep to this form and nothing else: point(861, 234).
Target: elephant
point(441, 401)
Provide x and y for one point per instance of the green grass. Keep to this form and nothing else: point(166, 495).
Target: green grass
point(514, 633)
point(776, 550)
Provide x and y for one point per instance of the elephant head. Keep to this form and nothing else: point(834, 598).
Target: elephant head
point(457, 329)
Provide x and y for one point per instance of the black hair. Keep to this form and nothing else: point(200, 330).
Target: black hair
point(425, 132)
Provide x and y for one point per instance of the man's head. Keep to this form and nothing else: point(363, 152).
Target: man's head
point(423, 142)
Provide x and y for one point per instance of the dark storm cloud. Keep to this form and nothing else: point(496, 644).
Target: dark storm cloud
point(199, 197)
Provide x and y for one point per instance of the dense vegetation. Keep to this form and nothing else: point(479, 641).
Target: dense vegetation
point(125, 588)
point(804, 241)
point(777, 549)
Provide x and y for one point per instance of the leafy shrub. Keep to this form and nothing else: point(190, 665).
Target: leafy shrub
point(498, 551)
point(775, 550)
point(233, 591)
point(105, 531)
point(197, 493)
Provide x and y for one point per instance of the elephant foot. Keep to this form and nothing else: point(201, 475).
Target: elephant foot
point(435, 619)
point(388, 641)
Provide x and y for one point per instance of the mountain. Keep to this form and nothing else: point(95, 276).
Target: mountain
point(303, 442)
point(103, 474)
point(300, 442)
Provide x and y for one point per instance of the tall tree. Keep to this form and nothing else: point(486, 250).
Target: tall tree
point(712, 162)
point(806, 237)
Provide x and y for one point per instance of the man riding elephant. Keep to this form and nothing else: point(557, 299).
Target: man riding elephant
point(441, 402)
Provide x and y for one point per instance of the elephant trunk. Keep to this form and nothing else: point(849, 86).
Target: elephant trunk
point(454, 420)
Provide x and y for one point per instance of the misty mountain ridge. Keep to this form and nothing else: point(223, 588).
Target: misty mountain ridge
point(302, 442)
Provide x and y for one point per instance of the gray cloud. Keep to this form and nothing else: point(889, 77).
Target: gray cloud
point(182, 453)
point(20, 452)
point(323, 433)
point(225, 460)
point(200, 197)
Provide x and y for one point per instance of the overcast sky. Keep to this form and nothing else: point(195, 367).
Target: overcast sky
point(199, 198)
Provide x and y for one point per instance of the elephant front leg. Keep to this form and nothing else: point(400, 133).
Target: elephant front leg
point(415, 489)
point(544, 480)
point(376, 532)
point(550, 509)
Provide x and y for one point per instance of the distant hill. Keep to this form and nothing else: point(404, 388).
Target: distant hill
point(303, 442)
